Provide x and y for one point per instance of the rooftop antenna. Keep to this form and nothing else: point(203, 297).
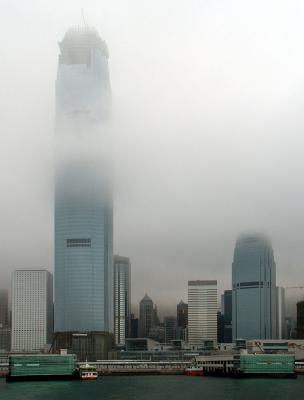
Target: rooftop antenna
point(84, 19)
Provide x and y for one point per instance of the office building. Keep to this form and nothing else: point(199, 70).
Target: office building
point(155, 319)
point(220, 327)
point(5, 331)
point(3, 308)
point(281, 315)
point(122, 289)
point(300, 320)
point(83, 195)
point(182, 320)
point(134, 326)
point(146, 316)
point(254, 288)
point(228, 305)
point(5, 339)
point(182, 314)
point(227, 300)
point(170, 328)
point(32, 310)
point(157, 333)
point(202, 311)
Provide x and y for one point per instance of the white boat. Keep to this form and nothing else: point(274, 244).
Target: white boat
point(88, 372)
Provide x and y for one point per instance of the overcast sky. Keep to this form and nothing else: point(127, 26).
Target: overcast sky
point(208, 129)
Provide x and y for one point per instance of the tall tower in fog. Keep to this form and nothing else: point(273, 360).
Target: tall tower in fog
point(83, 199)
point(253, 289)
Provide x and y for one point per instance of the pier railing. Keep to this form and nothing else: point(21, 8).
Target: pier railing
point(105, 367)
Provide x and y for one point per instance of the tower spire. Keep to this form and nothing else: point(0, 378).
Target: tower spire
point(85, 24)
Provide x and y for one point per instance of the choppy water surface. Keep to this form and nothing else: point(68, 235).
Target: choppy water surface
point(156, 387)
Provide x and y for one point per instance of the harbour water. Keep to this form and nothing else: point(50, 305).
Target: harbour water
point(156, 388)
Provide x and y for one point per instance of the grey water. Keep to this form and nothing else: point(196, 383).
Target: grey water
point(156, 387)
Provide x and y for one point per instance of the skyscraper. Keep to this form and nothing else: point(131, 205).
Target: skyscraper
point(182, 320)
point(182, 314)
point(227, 316)
point(3, 308)
point(155, 318)
point(254, 288)
point(5, 331)
point(122, 288)
point(32, 310)
point(202, 311)
point(280, 315)
point(170, 327)
point(83, 199)
point(220, 327)
point(133, 326)
point(300, 319)
point(5, 339)
point(146, 316)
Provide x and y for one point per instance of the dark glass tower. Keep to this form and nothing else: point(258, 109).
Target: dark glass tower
point(253, 288)
point(3, 308)
point(146, 316)
point(227, 316)
point(182, 314)
point(300, 320)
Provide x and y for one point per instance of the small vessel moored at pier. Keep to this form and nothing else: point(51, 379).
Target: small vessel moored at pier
point(194, 371)
point(87, 372)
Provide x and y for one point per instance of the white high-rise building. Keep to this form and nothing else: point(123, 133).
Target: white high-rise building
point(202, 311)
point(122, 279)
point(32, 310)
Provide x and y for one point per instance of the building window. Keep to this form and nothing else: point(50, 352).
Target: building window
point(78, 242)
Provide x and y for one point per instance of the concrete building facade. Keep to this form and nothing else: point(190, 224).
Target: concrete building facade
point(32, 310)
point(202, 311)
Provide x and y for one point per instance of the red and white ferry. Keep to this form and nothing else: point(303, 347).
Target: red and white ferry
point(87, 372)
point(194, 371)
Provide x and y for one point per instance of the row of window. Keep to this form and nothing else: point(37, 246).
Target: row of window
point(254, 284)
point(78, 242)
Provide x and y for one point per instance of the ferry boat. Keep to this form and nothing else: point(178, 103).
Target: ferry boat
point(87, 372)
point(194, 371)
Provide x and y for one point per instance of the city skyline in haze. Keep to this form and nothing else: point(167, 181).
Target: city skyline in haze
point(207, 135)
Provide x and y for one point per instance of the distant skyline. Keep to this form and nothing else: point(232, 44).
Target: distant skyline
point(207, 135)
